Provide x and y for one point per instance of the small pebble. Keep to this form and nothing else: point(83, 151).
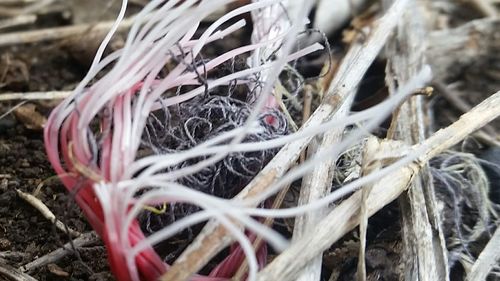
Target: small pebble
point(25, 163)
point(56, 270)
point(5, 244)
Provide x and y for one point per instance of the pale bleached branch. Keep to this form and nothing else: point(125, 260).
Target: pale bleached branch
point(51, 95)
point(46, 212)
point(487, 260)
point(14, 274)
point(424, 252)
point(17, 21)
point(57, 33)
point(314, 186)
point(85, 239)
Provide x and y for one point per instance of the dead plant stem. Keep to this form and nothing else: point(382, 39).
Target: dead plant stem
point(345, 216)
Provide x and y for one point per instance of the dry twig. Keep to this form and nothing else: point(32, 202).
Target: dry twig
point(13, 255)
point(316, 185)
point(16, 2)
point(46, 212)
point(345, 216)
point(13, 274)
point(50, 34)
point(16, 21)
point(368, 167)
point(51, 95)
point(29, 9)
point(453, 97)
point(487, 260)
point(424, 248)
point(258, 241)
point(306, 113)
point(83, 240)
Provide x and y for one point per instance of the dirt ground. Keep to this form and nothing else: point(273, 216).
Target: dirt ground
point(25, 234)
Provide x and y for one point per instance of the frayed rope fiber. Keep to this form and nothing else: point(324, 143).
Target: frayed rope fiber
point(181, 127)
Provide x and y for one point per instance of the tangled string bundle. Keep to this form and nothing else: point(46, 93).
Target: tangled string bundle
point(193, 122)
point(204, 118)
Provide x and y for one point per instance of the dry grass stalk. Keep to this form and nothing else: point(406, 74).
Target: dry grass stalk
point(12, 273)
point(258, 241)
point(480, 134)
point(450, 49)
point(306, 112)
point(16, 2)
point(487, 139)
point(28, 9)
point(17, 21)
point(46, 212)
point(345, 216)
point(51, 95)
point(487, 260)
point(454, 98)
point(486, 7)
point(368, 167)
point(469, 122)
point(213, 237)
point(339, 221)
point(316, 185)
point(12, 109)
point(57, 33)
point(424, 249)
point(85, 239)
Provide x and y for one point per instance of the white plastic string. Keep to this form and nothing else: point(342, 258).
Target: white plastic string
point(172, 192)
point(336, 194)
point(162, 161)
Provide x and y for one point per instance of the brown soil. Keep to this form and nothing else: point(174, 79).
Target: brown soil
point(24, 166)
point(25, 234)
